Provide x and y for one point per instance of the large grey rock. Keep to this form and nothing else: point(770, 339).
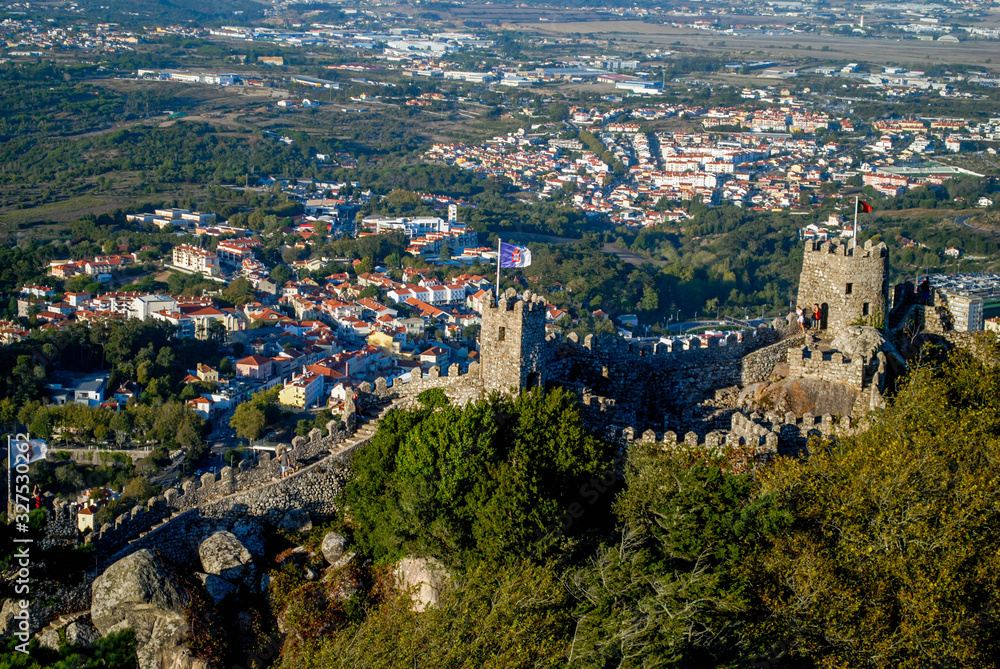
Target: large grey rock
point(859, 342)
point(138, 592)
point(82, 633)
point(345, 559)
point(9, 624)
point(423, 578)
point(799, 396)
point(251, 534)
point(296, 520)
point(49, 639)
point(222, 554)
point(78, 633)
point(217, 587)
point(333, 546)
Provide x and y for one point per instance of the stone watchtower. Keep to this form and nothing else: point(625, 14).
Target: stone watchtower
point(850, 283)
point(510, 342)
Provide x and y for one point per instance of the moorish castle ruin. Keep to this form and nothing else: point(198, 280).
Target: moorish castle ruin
point(746, 397)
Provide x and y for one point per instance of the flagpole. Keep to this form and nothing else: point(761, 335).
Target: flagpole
point(8, 474)
point(499, 244)
point(856, 199)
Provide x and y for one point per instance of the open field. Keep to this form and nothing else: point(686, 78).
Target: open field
point(64, 210)
point(838, 47)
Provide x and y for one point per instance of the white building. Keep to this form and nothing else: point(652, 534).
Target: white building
point(144, 306)
point(194, 259)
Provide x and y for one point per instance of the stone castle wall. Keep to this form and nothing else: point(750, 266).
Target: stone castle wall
point(758, 366)
point(648, 385)
point(827, 366)
point(314, 490)
point(850, 283)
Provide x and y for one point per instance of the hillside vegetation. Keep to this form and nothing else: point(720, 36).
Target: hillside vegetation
point(878, 550)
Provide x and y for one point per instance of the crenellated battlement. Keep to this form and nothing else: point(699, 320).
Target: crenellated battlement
point(751, 440)
point(832, 366)
point(848, 249)
point(510, 301)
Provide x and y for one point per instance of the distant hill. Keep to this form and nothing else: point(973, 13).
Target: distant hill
point(179, 11)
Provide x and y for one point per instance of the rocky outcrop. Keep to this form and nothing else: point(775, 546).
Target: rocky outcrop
point(140, 593)
point(78, 633)
point(81, 633)
point(333, 546)
point(217, 587)
point(222, 554)
point(251, 534)
point(859, 342)
point(423, 578)
point(799, 396)
point(7, 623)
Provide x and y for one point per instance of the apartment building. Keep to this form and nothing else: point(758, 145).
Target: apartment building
point(302, 391)
point(194, 259)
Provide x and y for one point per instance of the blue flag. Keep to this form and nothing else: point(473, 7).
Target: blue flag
point(512, 255)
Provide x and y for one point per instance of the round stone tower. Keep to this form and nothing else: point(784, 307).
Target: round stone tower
point(850, 283)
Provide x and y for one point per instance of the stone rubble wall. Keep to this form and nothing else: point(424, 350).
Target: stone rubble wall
point(314, 490)
point(112, 537)
point(758, 366)
point(752, 440)
point(832, 366)
point(651, 384)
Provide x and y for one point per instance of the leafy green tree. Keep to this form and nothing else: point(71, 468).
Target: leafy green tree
point(249, 421)
point(485, 480)
point(239, 292)
point(122, 424)
point(226, 366)
point(667, 590)
point(281, 274)
point(650, 300)
point(494, 617)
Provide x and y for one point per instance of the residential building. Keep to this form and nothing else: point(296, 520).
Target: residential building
point(255, 367)
point(183, 326)
point(194, 259)
point(143, 306)
point(202, 406)
point(87, 389)
point(302, 391)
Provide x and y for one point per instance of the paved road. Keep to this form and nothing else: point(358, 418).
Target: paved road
point(627, 256)
point(963, 220)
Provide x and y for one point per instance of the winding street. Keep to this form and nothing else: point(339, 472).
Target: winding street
point(963, 220)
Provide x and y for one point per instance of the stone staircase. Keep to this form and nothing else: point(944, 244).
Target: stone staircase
point(65, 619)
